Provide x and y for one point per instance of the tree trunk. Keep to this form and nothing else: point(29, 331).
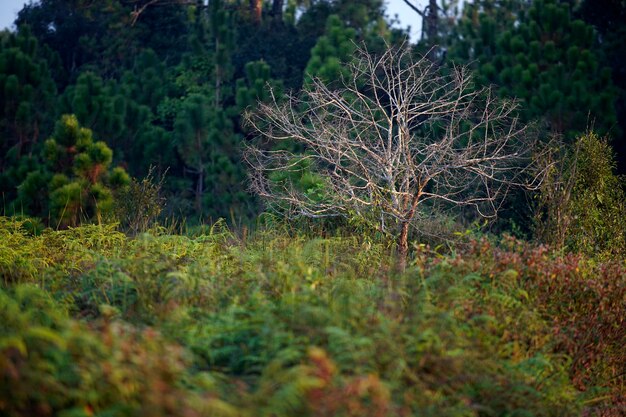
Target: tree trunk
point(277, 9)
point(403, 246)
point(200, 181)
point(256, 7)
point(199, 190)
point(218, 75)
point(432, 23)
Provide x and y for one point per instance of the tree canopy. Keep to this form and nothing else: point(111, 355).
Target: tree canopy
point(136, 72)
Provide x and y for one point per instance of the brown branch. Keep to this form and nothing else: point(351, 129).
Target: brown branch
point(412, 6)
point(137, 12)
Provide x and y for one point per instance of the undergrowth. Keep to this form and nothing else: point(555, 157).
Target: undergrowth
point(93, 323)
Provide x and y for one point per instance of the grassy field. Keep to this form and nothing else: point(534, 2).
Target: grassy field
point(94, 323)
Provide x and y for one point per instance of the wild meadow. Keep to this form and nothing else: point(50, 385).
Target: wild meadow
point(286, 323)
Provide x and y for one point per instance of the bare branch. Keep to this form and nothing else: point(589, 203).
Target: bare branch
point(415, 9)
point(396, 135)
point(140, 6)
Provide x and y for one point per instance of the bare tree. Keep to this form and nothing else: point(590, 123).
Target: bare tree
point(396, 135)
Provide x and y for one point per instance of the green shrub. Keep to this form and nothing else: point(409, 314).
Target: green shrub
point(139, 203)
point(52, 365)
point(598, 201)
point(582, 298)
point(582, 205)
point(287, 325)
point(20, 254)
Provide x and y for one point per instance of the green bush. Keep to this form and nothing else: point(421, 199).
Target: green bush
point(584, 301)
point(598, 201)
point(52, 365)
point(582, 204)
point(138, 204)
point(285, 326)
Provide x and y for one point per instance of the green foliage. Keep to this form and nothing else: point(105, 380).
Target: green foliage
point(206, 121)
point(332, 50)
point(207, 145)
point(77, 181)
point(27, 94)
point(96, 106)
point(607, 18)
point(27, 91)
point(17, 262)
point(289, 326)
point(96, 323)
point(192, 126)
point(254, 88)
point(126, 71)
point(581, 204)
point(584, 300)
point(145, 82)
point(103, 36)
point(303, 178)
point(146, 138)
point(548, 60)
point(80, 185)
point(476, 33)
point(102, 369)
point(598, 203)
point(138, 205)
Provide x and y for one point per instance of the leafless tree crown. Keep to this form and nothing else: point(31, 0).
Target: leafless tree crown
point(397, 133)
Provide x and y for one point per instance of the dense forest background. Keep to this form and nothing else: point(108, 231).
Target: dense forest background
point(141, 276)
point(158, 88)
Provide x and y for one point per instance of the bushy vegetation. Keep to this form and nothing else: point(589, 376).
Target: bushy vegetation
point(124, 292)
point(95, 323)
point(581, 205)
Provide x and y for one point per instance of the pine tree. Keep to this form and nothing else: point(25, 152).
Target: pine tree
point(254, 87)
point(546, 59)
point(149, 142)
point(280, 44)
point(359, 15)
point(27, 97)
point(331, 50)
point(207, 114)
point(27, 93)
point(192, 131)
point(82, 182)
point(608, 17)
point(98, 106)
point(473, 39)
point(147, 81)
point(221, 24)
point(97, 35)
point(77, 181)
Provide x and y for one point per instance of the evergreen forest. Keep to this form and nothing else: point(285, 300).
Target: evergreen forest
point(293, 208)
